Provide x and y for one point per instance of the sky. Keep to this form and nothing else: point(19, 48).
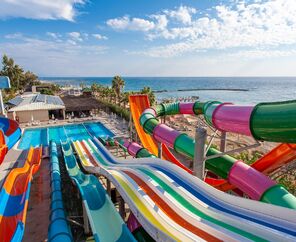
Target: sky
point(150, 37)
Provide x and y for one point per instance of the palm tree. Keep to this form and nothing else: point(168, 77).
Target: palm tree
point(94, 88)
point(148, 91)
point(117, 85)
point(124, 98)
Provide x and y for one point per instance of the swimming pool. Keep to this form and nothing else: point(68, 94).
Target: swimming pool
point(42, 136)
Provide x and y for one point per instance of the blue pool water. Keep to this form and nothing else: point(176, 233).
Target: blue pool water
point(42, 136)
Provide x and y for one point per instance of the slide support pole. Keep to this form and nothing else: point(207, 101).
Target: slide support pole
point(199, 152)
point(223, 142)
point(121, 208)
point(159, 150)
point(85, 220)
point(108, 187)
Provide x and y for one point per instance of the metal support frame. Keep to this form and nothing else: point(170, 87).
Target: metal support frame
point(257, 144)
point(199, 152)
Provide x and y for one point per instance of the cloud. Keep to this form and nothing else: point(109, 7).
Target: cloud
point(44, 10)
point(243, 24)
point(100, 37)
point(134, 24)
point(13, 36)
point(49, 56)
point(183, 14)
point(75, 37)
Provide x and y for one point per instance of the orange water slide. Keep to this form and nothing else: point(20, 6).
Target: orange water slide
point(3, 147)
point(15, 196)
point(138, 103)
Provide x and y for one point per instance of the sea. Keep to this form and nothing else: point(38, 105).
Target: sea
point(240, 90)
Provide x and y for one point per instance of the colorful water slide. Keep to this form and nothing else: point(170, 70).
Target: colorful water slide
point(14, 197)
point(11, 131)
point(105, 221)
point(3, 147)
point(174, 205)
point(280, 155)
point(247, 179)
point(138, 104)
point(58, 229)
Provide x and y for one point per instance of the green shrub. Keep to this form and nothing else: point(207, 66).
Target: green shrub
point(125, 113)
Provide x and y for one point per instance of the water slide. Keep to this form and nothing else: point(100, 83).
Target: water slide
point(138, 104)
point(10, 133)
point(174, 205)
point(280, 155)
point(105, 222)
point(247, 179)
point(59, 229)
point(14, 197)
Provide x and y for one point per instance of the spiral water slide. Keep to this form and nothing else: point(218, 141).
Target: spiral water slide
point(173, 205)
point(236, 172)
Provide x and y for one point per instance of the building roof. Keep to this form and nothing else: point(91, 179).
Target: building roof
point(36, 102)
point(80, 103)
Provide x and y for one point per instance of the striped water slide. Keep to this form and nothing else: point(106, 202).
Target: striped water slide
point(14, 197)
point(105, 222)
point(184, 207)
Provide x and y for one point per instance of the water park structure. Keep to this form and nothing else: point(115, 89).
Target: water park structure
point(151, 195)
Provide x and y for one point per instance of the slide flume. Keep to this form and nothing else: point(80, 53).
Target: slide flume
point(14, 197)
point(172, 204)
point(105, 221)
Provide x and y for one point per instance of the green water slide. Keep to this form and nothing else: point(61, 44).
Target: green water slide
point(105, 222)
point(265, 121)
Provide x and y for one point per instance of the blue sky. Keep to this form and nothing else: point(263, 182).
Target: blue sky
point(151, 38)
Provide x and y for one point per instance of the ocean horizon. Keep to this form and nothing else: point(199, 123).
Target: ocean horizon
point(242, 90)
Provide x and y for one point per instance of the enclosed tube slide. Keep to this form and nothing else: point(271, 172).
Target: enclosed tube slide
point(247, 179)
point(14, 197)
point(172, 205)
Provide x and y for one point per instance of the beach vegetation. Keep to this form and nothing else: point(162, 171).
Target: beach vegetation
point(148, 91)
point(118, 85)
point(19, 79)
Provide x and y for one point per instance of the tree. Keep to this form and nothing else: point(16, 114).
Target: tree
point(148, 91)
point(13, 71)
point(19, 79)
point(118, 85)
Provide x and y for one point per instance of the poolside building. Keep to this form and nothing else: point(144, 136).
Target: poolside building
point(35, 107)
point(79, 106)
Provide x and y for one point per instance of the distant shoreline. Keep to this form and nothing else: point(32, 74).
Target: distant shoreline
point(205, 89)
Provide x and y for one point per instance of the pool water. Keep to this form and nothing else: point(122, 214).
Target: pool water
point(43, 136)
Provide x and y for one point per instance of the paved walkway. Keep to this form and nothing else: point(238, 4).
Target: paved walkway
point(39, 205)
